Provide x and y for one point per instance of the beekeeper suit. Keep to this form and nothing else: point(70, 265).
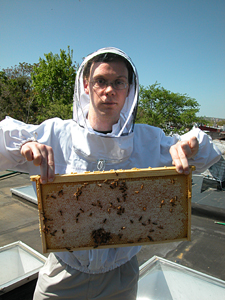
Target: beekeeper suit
point(78, 147)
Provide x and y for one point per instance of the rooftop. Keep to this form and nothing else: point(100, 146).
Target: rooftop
point(204, 253)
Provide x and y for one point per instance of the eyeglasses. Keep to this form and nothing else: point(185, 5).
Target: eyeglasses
point(102, 84)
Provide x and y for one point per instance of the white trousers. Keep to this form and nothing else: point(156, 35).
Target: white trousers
point(59, 281)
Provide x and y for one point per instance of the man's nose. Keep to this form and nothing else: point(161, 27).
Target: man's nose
point(109, 88)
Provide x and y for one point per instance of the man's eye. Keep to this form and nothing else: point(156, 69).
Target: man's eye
point(100, 81)
point(120, 85)
point(119, 82)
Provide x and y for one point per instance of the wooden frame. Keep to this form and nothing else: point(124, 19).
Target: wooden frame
point(112, 209)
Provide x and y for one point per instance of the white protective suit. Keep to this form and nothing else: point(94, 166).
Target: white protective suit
point(77, 148)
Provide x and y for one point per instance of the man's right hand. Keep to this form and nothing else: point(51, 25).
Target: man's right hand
point(42, 156)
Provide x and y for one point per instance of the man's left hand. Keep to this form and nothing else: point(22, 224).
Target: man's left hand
point(181, 152)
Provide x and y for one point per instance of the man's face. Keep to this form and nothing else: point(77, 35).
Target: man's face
point(107, 102)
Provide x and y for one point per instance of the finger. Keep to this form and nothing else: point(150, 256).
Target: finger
point(44, 163)
point(194, 146)
point(183, 153)
point(37, 155)
point(176, 159)
point(179, 153)
point(27, 152)
point(51, 165)
point(47, 166)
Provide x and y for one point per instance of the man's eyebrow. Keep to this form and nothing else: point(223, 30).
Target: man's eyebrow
point(102, 76)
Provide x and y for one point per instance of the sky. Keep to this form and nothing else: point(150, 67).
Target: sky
point(178, 43)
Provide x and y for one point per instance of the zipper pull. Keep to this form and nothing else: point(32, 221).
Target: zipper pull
point(101, 165)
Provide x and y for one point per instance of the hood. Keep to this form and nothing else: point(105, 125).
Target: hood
point(81, 100)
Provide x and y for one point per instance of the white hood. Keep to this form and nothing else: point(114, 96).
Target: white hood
point(81, 99)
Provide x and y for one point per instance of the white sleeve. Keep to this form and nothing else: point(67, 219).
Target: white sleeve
point(13, 134)
point(208, 153)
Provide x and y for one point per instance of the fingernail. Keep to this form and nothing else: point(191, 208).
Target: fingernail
point(43, 181)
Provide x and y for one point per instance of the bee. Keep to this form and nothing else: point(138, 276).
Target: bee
point(53, 233)
point(120, 235)
point(154, 223)
point(136, 192)
point(60, 193)
point(172, 181)
point(140, 219)
point(124, 196)
point(172, 200)
point(150, 238)
point(52, 196)
point(76, 220)
point(112, 185)
point(104, 220)
point(118, 199)
point(60, 212)
point(144, 208)
point(142, 187)
point(45, 230)
point(162, 203)
point(160, 227)
point(90, 214)
point(77, 215)
point(95, 246)
point(131, 221)
point(99, 205)
point(99, 185)
point(143, 224)
point(69, 249)
point(81, 210)
point(123, 227)
point(63, 231)
point(139, 239)
point(151, 230)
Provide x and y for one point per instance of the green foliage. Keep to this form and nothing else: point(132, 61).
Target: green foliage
point(53, 83)
point(221, 122)
point(16, 95)
point(173, 112)
point(34, 93)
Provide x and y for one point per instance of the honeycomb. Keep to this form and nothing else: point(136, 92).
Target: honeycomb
point(114, 209)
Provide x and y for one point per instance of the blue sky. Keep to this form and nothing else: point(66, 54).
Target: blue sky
point(178, 43)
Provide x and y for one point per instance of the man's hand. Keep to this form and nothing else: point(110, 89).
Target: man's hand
point(42, 156)
point(181, 151)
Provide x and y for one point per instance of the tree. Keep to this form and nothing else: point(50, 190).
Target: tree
point(16, 94)
point(53, 82)
point(173, 112)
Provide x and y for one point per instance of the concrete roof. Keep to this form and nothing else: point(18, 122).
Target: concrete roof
point(205, 252)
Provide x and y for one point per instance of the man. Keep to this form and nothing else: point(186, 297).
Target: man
point(102, 136)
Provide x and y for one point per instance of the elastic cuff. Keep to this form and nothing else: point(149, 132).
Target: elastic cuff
point(33, 139)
